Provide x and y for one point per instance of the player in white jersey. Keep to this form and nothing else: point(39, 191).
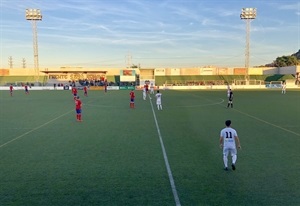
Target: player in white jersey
point(144, 94)
point(151, 88)
point(228, 90)
point(283, 88)
point(158, 100)
point(228, 141)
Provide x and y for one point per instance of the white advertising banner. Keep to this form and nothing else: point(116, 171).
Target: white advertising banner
point(127, 75)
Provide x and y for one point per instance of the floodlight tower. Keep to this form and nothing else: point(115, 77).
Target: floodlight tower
point(248, 14)
point(34, 15)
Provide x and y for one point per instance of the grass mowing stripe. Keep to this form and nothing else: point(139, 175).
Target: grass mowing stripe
point(36, 128)
point(261, 120)
point(199, 105)
point(26, 133)
point(172, 182)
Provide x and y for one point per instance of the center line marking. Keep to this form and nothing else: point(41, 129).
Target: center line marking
point(176, 198)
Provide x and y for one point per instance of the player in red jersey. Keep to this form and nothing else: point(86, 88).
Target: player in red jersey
point(78, 104)
point(26, 89)
point(85, 91)
point(132, 96)
point(74, 92)
point(11, 90)
point(146, 86)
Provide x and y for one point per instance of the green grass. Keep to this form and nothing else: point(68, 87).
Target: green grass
point(114, 157)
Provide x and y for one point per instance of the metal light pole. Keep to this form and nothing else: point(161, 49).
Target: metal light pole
point(248, 14)
point(34, 15)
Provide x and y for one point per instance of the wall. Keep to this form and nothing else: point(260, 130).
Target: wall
point(270, 70)
point(255, 71)
point(189, 71)
point(287, 70)
point(23, 72)
point(163, 71)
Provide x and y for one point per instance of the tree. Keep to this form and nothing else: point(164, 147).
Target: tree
point(284, 61)
point(134, 66)
point(297, 55)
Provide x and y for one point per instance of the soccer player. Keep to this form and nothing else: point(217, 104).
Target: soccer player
point(228, 90)
point(26, 89)
point(85, 91)
point(158, 100)
point(151, 88)
point(144, 94)
point(146, 86)
point(78, 104)
point(228, 141)
point(283, 88)
point(74, 92)
point(230, 99)
point(105, 86)
point(11, 90)
point(132, 96)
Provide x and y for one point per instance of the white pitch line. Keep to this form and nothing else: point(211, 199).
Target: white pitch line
point(274, 125)
point(172, 182)
point(26, 133)
point(266, 122)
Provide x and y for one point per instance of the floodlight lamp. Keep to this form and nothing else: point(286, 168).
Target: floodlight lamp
point(248, 13)
point(33, 14)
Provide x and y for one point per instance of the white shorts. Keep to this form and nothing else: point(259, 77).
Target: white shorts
point(227, 150)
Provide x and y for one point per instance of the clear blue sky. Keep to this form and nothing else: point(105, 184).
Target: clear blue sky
point(155, 33)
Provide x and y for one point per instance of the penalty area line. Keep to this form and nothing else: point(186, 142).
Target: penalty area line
point(34, 129)
point(171, 179)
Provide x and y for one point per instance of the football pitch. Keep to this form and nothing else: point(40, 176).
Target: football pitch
point(142, 156)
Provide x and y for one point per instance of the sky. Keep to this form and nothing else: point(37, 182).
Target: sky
point(149, 33)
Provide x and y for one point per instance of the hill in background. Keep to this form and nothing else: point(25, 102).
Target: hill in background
point(284, 61)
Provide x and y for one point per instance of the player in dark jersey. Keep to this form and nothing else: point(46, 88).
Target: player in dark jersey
point(26, 89)
point(230, 99)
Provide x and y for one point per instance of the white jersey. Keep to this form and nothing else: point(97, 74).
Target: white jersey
point(228, 134)
point(152, 89)
point(144, 93)
point(228, 90)
point(158, 98)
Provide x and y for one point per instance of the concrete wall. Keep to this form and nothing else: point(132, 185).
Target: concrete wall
point(270, 70)
point(162, 71)
point(255, 71)
point(287, 70)
point(189, 71)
